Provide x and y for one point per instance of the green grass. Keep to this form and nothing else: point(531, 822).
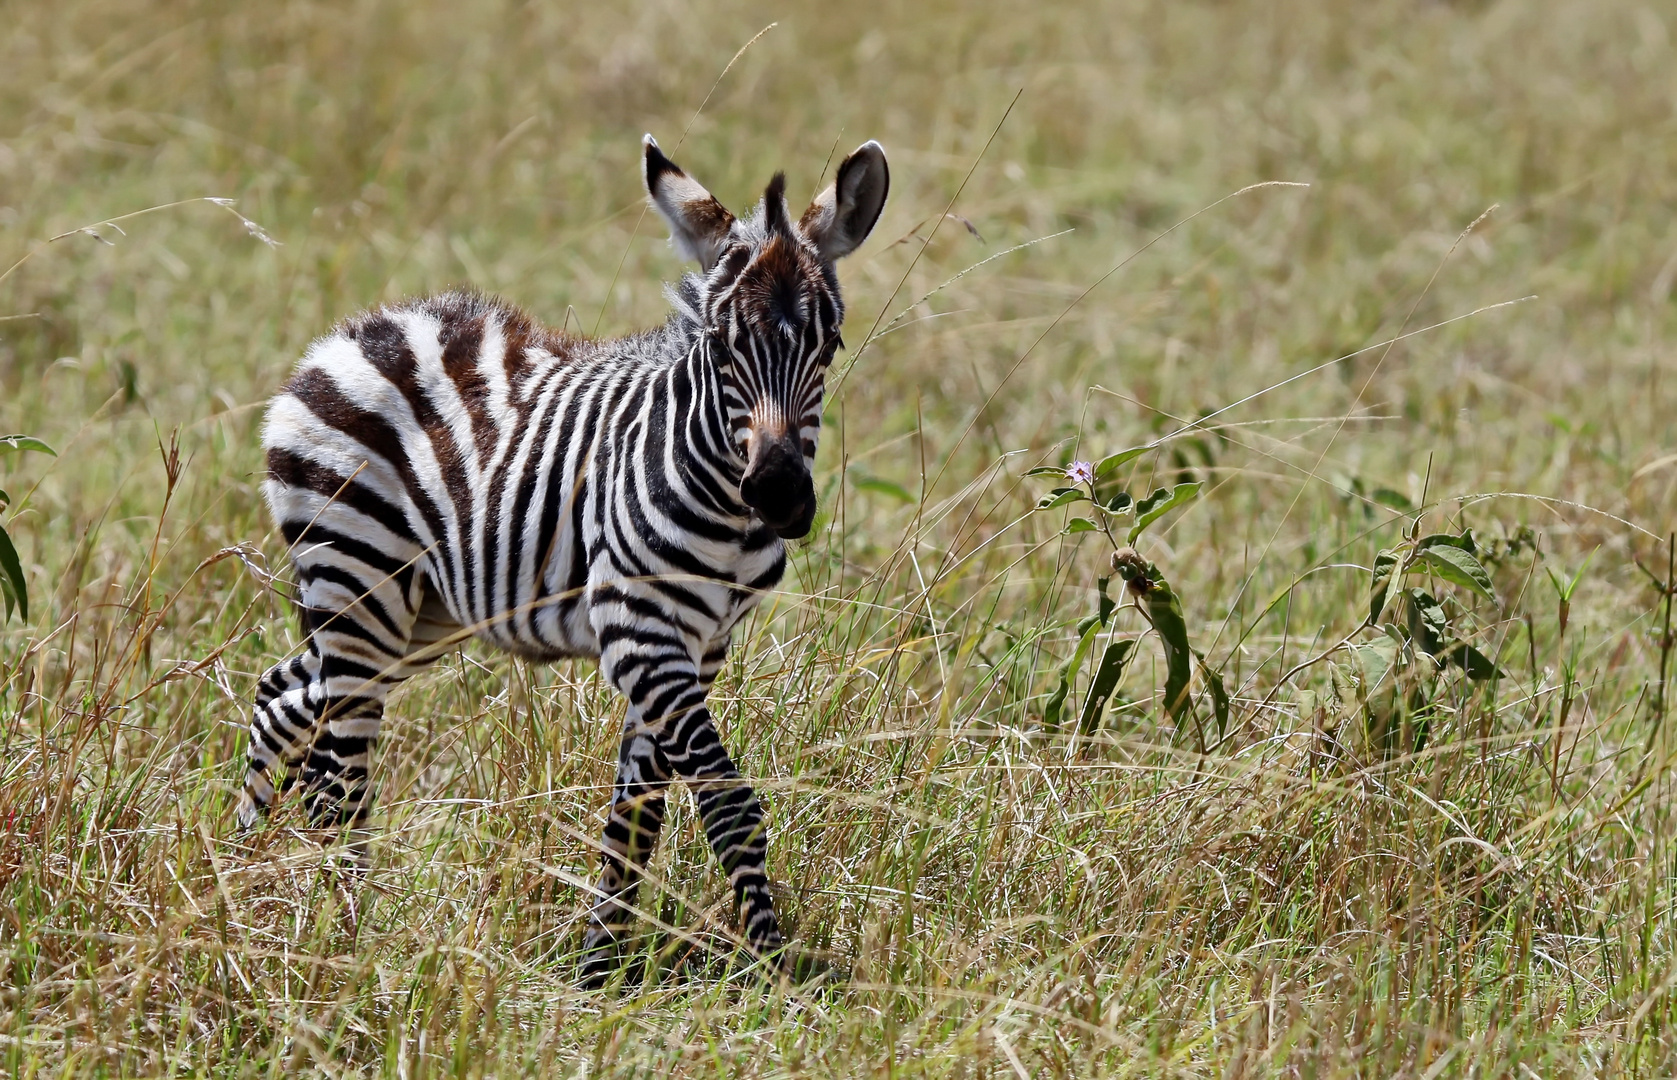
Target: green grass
point(1415, 874)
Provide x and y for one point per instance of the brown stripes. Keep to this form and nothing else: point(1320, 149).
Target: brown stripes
point(385, 346)
point(461, 337)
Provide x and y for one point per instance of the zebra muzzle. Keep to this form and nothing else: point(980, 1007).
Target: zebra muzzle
point(778, 486)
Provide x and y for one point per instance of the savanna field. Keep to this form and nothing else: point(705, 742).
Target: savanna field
point(1362, 766)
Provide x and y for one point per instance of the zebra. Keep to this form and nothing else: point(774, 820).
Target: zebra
point(446, 467)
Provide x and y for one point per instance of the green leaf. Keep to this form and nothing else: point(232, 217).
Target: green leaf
point(1111, 669)
point(1057, 701)
point(1392, 500)
point(1159, 503)
point(1120, 503)
point(5, 499)
point(1213, 680)
point(1056, 704)
point(1146, 505)
point(1061, 497)
point(1047, 470)
point(1463, 541)
point(1564, 592)
point(13, 571)
point(1475, 663)
point(1107, 603)
point(25, 442)
point(883, 487)
point(1122, 457)
point(1374, 663)
point(1379, 590)
point(1080, 525)
point(1457, 566)
point(1165, 612)
point(1427, 622)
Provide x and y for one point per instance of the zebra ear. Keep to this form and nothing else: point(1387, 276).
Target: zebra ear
point(841, 217)
point(698, 223)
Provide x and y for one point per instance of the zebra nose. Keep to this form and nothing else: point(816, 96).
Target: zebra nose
point(778, 486)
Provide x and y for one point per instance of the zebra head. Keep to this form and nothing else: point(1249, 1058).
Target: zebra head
point(769, 303)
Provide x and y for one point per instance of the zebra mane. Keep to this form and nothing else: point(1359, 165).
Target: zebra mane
point(687, 305)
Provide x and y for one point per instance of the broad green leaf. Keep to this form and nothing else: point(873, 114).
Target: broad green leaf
point(1464, 541)
point(1160, 503)
point(1081, 525)
point(883, 487)
point(1392, 500)
point(1061, 497)
point(5, 499)
point(1147, 504)
point(1165, 611)
point(1379, 590)
point(1457, 566)
point(1107, 603)
point(1120, 503)
point(1122, 457)
point(1057, 701)
point(13, 571)
point(1475, 663)
point(1111, 669)
point(1046, 470)
point(1374, 662)
point(25, 442)
point(1427, 622)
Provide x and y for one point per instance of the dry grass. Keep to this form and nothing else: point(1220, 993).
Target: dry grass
point(1316, 895)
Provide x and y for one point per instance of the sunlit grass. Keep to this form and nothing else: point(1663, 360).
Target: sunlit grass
point(1350, 880)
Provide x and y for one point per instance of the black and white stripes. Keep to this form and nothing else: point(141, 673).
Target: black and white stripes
point(447, 468)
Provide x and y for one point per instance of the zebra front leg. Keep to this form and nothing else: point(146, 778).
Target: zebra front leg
point(730, 810)
point(633, 823)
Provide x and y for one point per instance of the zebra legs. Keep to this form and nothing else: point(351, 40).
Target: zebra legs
point(299, 726)
point(680, 743)
point(281, 728)
point(633, 823)
point(317, 714)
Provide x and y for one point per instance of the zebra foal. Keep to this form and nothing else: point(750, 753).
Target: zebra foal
point(447, 463)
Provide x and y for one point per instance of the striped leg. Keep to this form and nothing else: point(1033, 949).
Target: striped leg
point(733, 820)
point(633, 823)
point(678, 741)
point(281, 728)
point(320, 711)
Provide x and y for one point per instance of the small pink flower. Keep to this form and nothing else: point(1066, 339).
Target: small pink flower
point(1081, 472)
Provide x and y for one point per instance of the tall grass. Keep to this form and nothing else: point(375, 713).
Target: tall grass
point(1376, 868)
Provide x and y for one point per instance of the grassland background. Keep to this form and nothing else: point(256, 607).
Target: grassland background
point(1297, 901)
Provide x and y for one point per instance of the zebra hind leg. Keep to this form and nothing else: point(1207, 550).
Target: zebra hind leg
point(358, 671)
point(282, 726)
point(337, 772)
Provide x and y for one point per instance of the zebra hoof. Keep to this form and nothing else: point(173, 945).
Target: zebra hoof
point(250, 814)
point(808, 970)
point(600, 961)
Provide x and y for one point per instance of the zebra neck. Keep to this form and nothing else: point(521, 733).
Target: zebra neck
point(703, 443)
